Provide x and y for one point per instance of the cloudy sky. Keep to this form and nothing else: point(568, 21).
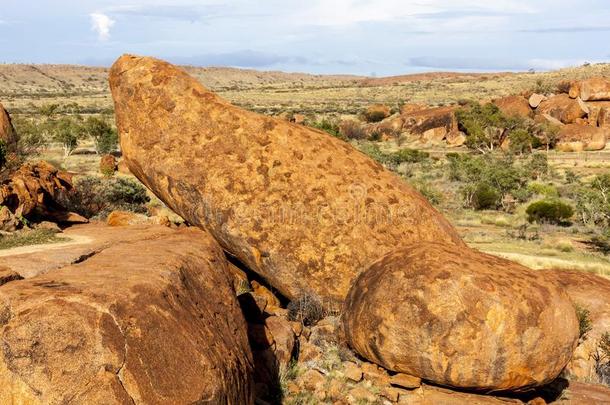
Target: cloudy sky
point(381, 37)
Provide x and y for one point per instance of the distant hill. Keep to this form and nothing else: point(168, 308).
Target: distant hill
point(23, 87)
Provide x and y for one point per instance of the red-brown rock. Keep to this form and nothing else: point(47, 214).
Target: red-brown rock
point(535, 100)
point(563, 108)
point(35, 190)
point(419, 121)
point(461, 318)
point(592, 293)
point(301, 208)
point(377, 112)
point(514, 106)
point(579, 137)
point(152, 322)
point(7, 132)
point(108, 165)
point(594, 89)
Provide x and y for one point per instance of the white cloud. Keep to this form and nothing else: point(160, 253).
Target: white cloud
point(101, 24)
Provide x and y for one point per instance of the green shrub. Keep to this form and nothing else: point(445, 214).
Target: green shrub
point(29, 238)
point(328, 126)
point(434, 196)
point(489, 176)
point(31, 135)
point(546, 190)
point(97, 197)
point(521, 141)
point(485, 197)
point(104, 137)
point(584, 322)
point(407, 155)
point(394, 159)
point(549, 211)
point(66, 131)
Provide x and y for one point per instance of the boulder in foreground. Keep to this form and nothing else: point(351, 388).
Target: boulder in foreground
point(303, 209)
point(461, 318)
point(153, 322)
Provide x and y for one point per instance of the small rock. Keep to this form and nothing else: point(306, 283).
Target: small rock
point(261, 290)
point(51, 226)
point(352, 371)
point(405, 381)
point(375, 374)
point(308, 352)
point(313, 380)
point(359, 394)
point(292, 387)
point(336, 389)
point(391, 394)
point(126, 218)
point(108, 165)
point(7, 275)
point(297, 328)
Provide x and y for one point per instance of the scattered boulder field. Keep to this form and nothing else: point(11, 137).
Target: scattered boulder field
point(583, 123)
point(305, 271)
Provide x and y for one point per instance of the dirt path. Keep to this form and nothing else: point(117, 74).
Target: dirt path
point(71, 240)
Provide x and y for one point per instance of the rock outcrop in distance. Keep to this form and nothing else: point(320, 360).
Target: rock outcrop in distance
point(35, 192)
point(152, 321)
point(461, 318)
point(304, 210)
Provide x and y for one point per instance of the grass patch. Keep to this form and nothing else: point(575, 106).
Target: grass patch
point(29, 238)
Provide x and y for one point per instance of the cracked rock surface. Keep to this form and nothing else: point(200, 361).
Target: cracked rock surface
point(154, 321)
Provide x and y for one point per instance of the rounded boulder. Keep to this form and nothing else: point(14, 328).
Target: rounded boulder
point(461, 318)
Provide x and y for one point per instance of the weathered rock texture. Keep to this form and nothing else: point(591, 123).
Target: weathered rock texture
point(563, 108)
point(461, 318)
point(152, 322)
point(579, 137)
point(7, 132)
point(514, 106)
point(592, 293)
point(594, 89)
point(34, 192)
point(301, 208)
point(425, 119)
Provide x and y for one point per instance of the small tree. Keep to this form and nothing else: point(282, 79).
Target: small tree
point(67, 132)
point(104, 137)
point(549, 211)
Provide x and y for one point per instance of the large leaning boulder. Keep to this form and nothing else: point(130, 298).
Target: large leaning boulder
point(303, 209)
point(153, 322)
point(461, 318)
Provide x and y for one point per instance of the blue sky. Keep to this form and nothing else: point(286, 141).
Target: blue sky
point(382, 37)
